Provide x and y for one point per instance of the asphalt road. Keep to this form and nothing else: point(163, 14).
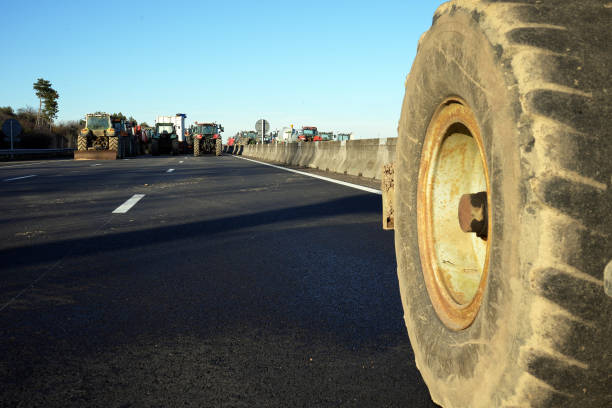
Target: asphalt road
point(229, 284)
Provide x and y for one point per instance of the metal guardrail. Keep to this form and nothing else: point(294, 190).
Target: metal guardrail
point(34, 151)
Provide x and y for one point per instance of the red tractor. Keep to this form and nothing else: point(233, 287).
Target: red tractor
point(309, 134)
point(206, 138)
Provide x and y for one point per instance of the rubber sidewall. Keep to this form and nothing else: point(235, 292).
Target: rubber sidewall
point(475, 366)
point(81, 143)
point(155, 147)
point(218, 147)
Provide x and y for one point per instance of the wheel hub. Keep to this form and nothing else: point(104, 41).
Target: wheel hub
point(454, 255)
point(473, 214)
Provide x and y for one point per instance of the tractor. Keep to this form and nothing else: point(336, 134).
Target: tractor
point(98, 138)
point(164, 139)
point(103, 138)
point(206, 138)
point(309, 134)
point(246, 137)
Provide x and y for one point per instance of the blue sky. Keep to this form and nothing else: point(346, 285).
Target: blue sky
point(337, 65)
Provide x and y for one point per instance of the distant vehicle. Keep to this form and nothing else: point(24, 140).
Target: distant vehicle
point(178, 121)
point(343, 136)
point(308, 134)
point(165, 139)
point(325, 136)
point(246, 137)
point(126, 139)
point(103, 138)
point(98, 133)
point(206, 138)
point(288, 135)
point(143, 138)
point(131, 146)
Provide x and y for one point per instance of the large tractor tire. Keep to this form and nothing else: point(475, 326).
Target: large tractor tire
point(132, 146)
point(121, 147)
point(218, 147)
point(113, 143)
point(510, 99)
point(81, 143)
point(196, 147)
point(155, 147)
point(175, 147)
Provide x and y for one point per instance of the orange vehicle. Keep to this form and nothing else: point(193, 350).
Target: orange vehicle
point(309, 134)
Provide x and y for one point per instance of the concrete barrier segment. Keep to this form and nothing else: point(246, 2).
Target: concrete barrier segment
point(362, 157)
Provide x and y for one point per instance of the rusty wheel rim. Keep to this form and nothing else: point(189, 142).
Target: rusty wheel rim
point(454, 263)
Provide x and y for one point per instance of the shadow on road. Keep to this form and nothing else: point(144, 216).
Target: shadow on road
point(287, 307)
point(50, 251)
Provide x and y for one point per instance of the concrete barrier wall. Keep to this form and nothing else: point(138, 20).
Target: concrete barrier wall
point(364, 157)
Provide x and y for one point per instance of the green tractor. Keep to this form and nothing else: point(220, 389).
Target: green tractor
point(164, 139)
point(206, 138)
point(246, 137)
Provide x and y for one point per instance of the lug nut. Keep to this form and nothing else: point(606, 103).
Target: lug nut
point(473, 214)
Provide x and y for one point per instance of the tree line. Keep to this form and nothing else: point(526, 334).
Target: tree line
point(33, 135)
point(39, 129)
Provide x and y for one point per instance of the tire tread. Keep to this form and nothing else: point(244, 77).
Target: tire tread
point(556, 57)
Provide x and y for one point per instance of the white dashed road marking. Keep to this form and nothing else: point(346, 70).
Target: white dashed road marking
point(19, 178)
point(20, 165)
point(125, 207)
point(169, 170)
point(49, 162)
point(181, 161)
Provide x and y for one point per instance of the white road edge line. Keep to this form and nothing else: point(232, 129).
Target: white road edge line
point(125, 207)
point(331, 180)
point(19, 178)
point(169, 170)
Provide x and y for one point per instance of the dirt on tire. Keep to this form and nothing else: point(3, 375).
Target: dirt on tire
point(81, 143)
point(218, 147)
point(113, 143)
point(536, 77)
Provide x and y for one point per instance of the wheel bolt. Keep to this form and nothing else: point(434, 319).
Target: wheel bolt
point(473, 214)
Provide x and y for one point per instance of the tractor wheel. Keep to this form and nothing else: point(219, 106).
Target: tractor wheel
point(81, 143)
point(104, 142)
point(113, 143)
point(121, 147)
point(155, 147)
point(218, 147)
point(175, 147)
point(508, 100)
point(196, 147)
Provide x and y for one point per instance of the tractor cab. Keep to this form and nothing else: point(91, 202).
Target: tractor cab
point(308, 134)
